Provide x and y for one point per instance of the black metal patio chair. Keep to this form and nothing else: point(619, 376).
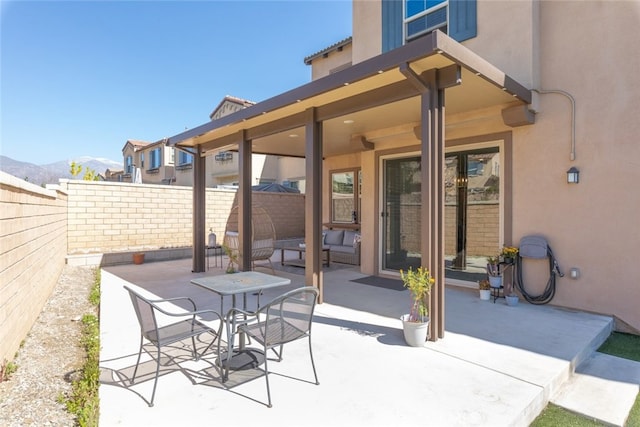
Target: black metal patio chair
point(164, 333)
point(285, 319)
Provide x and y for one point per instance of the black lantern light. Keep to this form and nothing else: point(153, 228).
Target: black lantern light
point(573, 175)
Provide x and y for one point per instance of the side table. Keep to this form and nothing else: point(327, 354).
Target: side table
point(217, 254)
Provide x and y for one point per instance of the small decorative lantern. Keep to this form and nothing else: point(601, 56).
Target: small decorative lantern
point(573, 175)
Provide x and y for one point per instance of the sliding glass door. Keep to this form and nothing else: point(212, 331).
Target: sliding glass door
point(400, 213)
point(472, 212)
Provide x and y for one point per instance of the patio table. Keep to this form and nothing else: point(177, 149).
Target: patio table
point(300, 250)
point(234, 284)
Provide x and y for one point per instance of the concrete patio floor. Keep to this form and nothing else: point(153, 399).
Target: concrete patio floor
point(497, 365)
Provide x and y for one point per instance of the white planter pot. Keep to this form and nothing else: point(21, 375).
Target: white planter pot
point(415, 333)
point(485, 294)
point(512, 300)
point(495, 281)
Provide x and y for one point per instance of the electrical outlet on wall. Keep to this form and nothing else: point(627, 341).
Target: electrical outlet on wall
point(574, 273)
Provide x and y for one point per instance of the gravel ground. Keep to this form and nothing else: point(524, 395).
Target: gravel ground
point(50, 357)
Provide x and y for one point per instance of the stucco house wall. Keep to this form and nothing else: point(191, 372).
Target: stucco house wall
point(33, 243)
point(592, 225)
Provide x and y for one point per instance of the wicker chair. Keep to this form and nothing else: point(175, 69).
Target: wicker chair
point(262, 239)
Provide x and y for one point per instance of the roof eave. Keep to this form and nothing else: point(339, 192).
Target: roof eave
point(436, 43)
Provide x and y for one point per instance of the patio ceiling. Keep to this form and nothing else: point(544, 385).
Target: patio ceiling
point(358, 104)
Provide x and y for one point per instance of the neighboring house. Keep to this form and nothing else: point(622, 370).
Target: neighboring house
point(114, 175)
point(162, 164)
point(448, 129)
point(222, 167)
point(155, 160)
point(132, 157)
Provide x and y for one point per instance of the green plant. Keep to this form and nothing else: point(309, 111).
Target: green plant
point(509, 252)
point(84, 401)
point(94, 294)
point(484, 285)
point(492, 265)
point(233, 258)
point(419, 283)
point(7, 369)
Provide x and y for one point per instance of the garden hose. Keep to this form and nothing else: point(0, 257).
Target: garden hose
point(550, 290)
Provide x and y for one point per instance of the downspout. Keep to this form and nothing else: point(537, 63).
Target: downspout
point(573, 116)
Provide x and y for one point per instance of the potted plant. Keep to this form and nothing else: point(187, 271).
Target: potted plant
point(138, 258)
point(485, 290)
point(415, 325)
point(493, 271)
point(512, 299)
point(509, 254)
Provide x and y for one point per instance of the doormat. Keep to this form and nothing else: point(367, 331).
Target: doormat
point(381, 282)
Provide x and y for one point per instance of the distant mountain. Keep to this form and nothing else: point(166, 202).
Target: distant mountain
point(52, 172)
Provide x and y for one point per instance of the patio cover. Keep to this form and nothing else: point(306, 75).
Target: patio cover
point(404, 85)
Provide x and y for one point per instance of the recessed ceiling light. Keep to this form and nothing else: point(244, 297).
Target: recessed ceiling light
point(348, 122)
point(293, 135)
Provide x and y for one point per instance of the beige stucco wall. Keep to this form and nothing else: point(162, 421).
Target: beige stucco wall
point(593, 225)
point(33, 240)
point(507, 37)
point(335, 60)
point(367, 29)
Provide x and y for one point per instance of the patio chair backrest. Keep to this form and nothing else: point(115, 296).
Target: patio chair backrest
point(145, 314)
point(296, 309)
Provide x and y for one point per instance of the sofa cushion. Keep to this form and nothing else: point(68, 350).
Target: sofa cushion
point(349, 238)
point(334, 237)
point(343, 249)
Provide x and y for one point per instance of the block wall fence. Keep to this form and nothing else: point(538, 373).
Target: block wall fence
point(40, 227)
point(107, 217)
point(33, 245)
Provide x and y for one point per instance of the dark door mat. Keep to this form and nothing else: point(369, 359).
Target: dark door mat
point(381, 282)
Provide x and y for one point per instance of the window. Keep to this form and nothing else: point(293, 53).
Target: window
point(142, 160)
point(406, 20)
point(345, 196)
point(155, 158)
point(424, 16)
point(128, 165)
point(184, 158)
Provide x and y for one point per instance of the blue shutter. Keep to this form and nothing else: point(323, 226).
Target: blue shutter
point(463, 16)
point(391, 24)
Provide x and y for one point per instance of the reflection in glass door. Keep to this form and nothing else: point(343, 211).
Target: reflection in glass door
point(401, 205)
point(472, 212)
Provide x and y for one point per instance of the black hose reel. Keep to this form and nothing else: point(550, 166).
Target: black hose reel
point(537, 247)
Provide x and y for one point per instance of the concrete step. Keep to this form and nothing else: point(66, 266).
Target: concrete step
point(603, 387)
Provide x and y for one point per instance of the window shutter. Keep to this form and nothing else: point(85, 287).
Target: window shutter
point(391, 24)
point(463, 16)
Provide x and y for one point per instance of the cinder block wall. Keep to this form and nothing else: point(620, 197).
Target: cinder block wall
point(107, 217)
point(33, 245)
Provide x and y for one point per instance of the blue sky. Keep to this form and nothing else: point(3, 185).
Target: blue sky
point(79, 78)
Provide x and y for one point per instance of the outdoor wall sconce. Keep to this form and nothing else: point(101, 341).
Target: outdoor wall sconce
point(573, 175)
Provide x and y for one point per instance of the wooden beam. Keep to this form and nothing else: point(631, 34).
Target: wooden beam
point(313, 203)
point(432, 212)
point(360, 143)
point(199, 211)
point(244, 203)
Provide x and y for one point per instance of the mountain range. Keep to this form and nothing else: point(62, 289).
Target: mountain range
point(52, 172)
